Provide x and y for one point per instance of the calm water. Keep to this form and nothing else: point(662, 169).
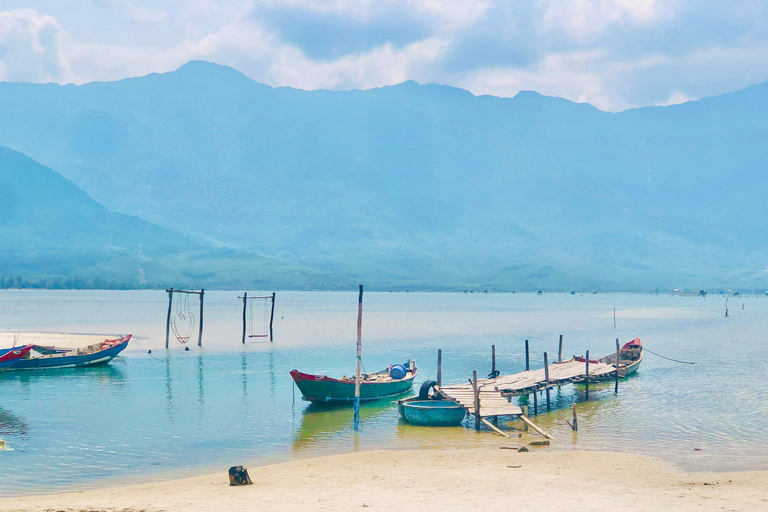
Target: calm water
point(155, 416)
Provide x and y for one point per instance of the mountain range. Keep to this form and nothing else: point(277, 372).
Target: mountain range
point(408, 186)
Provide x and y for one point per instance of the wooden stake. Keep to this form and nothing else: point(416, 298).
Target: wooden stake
point(168, 319)
point(477, 400)
point(245, 304)
point(200, 332)
point(493, 359)
point(546, 379)
point(587, 376)
point(527, 358)
point(272, 317)
point(536, 427)
point(359, 358)
point(535, 402)
point(439, 367)
point(560, 350)
point(525, 413)
point(618, 359)
point(575, 424)
point(494, 428)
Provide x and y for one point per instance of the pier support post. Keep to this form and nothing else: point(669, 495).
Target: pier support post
point(477, 400)
point(535, 401)
point(272, 317)
point(200, 332)
point(527, 358)
point(439, 367)
point(560, 350)
point(618, 359)
point(546, 380)
point(525, 413)
point(586, 378)
point(493, 359)
point(168, 318)
point(245, 304)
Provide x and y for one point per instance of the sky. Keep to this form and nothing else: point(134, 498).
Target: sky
point(614, 54)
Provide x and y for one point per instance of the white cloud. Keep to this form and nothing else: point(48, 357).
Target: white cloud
point(146, 15)
point(583, 20)
point(614, 54)
point(29, 47)
point(675, 98)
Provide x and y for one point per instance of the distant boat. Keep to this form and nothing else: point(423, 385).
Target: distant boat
point(46, 357)
point(373, 386)
point(10, 357)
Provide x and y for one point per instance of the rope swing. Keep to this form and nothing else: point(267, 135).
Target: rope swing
point(183, 321)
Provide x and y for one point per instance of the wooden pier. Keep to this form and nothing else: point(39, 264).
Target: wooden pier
point(555, 374)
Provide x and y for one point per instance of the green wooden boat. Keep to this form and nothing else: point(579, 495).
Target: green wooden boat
point(373, 386)
point(431, 413)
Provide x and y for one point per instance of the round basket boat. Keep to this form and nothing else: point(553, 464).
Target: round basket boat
point(432, 413)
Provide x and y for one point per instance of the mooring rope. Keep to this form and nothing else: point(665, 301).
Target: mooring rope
point(667, 358)
point(149, 352)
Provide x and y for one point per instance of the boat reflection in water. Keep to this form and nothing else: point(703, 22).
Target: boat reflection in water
point(12, 425)
point(323, 423)
point(107, 375)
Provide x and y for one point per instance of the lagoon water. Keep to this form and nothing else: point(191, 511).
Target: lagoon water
point(180, 412)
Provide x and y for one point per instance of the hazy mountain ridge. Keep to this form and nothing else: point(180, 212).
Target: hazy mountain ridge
point(55, 235)
point(417, 186)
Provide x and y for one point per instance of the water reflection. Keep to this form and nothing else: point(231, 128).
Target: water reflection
point(12, 425)
point(200, 390)
point(168, 387)
point(244, 376)
point(323, 422)
point(109, 376)
point(272, 378)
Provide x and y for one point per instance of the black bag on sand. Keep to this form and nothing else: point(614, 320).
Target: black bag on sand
point(238, 475)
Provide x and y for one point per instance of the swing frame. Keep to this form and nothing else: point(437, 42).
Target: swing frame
point(170, 292)
point(245, 299)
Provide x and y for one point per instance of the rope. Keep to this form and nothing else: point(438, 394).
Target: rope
point(667, 358)
point(149, 352)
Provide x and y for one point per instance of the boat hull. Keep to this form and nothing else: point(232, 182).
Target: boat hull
point(322, 389)
point(70, 359)
point(432, 413)
point(13, 356)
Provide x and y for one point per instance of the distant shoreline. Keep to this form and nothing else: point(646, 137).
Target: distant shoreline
point(434, 479)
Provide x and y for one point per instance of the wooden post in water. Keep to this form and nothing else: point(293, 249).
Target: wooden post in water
point(560, 350)
point(618, 358)
point(356, 421)
point(527, 358)
point(439, 367)
point(535, 402)
point(200, 332)
point(575, 424)
point(546, 379)
point(493, 360)
point(525, 413)
point(245, 304)
point(587, 376)
point(168, 318)
point(272, 317)
point(477, 400)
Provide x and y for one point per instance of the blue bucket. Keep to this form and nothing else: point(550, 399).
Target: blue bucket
point(397, 371)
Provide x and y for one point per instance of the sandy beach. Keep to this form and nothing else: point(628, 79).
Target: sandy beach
point(487, 478)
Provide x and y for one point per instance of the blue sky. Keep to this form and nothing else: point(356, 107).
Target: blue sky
point(614, 54)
